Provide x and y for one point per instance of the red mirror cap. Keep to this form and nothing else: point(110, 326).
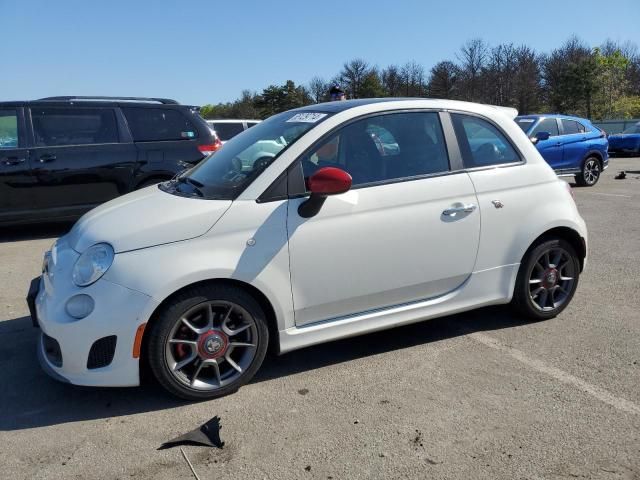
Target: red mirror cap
point(329, 181)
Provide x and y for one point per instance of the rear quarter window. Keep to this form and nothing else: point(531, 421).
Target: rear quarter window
point(481, 143)
point(227, 130)
point(159, 124)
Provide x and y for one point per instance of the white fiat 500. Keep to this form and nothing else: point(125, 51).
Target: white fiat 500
point(361, 215)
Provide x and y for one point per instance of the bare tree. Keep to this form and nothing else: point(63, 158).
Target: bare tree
point(412, 79)
point(318, 89)
point(527, 80)
point(499, 75)
point(472, 58)
point(352, 75)
point(392, 81)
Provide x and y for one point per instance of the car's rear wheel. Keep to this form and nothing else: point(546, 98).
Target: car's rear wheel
point(207, 342)
point(547, 279)
point(590, 173)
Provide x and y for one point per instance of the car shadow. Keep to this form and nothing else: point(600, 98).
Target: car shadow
point(31, 399)
point(17, 233)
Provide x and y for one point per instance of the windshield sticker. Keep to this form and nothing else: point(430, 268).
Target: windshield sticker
point(307, 117)
point(187, 134)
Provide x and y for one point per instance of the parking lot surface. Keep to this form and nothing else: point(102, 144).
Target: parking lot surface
point(477, 395)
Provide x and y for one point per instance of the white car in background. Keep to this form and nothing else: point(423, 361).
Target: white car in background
point(227, 129)
point(327, 236)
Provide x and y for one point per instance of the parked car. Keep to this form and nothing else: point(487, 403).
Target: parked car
point(325, 239)
point(571, 145)
point(627, 142)
point(62, 156)
point(227, 129)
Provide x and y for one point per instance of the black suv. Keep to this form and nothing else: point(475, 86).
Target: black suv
point(62, 156)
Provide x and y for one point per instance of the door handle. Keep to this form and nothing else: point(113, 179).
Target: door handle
point(452, 211)
point(11, 161)
point(47, 157)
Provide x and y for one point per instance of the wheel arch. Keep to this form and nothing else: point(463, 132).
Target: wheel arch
point(593, 153)
point(260, 297)
point(565, 233)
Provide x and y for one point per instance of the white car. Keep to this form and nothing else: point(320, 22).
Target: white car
point(226, 129)
point(330, 236)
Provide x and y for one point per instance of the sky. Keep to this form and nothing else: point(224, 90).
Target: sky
point(199, 52)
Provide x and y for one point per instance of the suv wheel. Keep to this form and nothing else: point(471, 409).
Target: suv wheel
point(590, 173)
point(547, 280)
point(208, 342)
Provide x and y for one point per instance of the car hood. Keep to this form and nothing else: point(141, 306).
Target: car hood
point(146, 218)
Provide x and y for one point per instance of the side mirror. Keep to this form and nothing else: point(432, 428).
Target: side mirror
point(540, 136)
point(326, 181)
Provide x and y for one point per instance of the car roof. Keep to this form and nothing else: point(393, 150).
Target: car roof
point(403, 102)
point(97, 101)
point(553, 115)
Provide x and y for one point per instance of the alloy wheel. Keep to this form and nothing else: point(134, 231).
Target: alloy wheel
point(551, 279)
point(591, 171)
point(211, 345)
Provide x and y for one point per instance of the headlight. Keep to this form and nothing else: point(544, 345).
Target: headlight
point(92, 264)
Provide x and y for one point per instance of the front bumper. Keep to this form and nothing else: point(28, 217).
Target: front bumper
point(118, 311)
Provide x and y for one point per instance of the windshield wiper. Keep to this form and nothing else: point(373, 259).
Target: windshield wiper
point(194, 184)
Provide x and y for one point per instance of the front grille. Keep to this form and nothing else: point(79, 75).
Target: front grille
point(52, 350)
point(102, 352)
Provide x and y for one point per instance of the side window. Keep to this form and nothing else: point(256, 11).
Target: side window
point(546, 125)
point(57, 126)
point(8, 128)
point(159, 124)
point(481, 143)
point(572, 127)
point(251, 124)
point(227, 130)
point(383, 148)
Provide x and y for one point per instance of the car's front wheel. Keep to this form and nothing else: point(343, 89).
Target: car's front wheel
point(590, 173)
point(547, 279)
point(207, 342)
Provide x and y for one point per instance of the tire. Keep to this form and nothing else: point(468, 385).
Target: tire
point(221, 360)
point(538, 274)
point(590, 172)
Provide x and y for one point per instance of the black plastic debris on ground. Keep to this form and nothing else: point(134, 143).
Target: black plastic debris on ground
point(621, 176)
point(206, 435)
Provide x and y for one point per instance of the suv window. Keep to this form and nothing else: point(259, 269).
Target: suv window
point(226, 131)
point(481, 143)
point(572, 127)
point(8, 128)
point(546, 125)
point(159, 124)
point(383, 148)
point(56, 126)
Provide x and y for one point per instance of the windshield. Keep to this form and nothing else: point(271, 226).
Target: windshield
point(226, 173)
point(525, 123)
point(633, 129)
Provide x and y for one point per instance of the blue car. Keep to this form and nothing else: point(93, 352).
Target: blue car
point(627, 142)
point(571, 145)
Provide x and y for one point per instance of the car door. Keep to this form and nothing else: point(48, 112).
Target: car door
point(16, 179)
point(79, 161)
point(574, 144)
point(391, 239)
point(550, 149)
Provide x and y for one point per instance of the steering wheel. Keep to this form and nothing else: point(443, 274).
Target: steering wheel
point(262, 163)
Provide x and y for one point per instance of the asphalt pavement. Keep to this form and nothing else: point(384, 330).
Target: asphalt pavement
point(480, 395)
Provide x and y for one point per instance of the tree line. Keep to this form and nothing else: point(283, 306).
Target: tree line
point(597, 83)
